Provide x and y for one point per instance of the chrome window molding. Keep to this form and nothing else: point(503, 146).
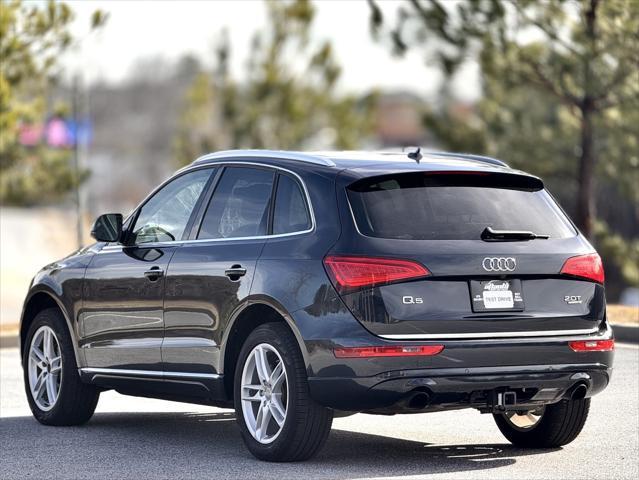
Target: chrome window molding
point(147, 373)
point(117, 248)
point(311, 212)
point(350, 209)
point(488, 335)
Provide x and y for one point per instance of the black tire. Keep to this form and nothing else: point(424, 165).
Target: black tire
point(307, 424)
point(559, 425)
point(76, 400)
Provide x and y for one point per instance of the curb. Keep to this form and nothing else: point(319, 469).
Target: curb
point(625, 333)
point(9, 341)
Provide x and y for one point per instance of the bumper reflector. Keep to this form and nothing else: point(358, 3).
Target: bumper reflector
point(388, 351)
point(593, 345)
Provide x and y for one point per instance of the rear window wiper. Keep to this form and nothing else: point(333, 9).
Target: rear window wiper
point(490, 235)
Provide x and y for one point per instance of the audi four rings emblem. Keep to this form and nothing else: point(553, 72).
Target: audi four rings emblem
point(499, 264)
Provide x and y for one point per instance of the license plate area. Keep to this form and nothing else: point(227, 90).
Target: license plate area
point(496, 295)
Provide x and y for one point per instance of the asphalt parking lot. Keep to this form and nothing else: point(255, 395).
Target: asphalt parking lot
point(140, 438)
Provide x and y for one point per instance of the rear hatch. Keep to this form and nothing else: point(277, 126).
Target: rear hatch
point(464, 255)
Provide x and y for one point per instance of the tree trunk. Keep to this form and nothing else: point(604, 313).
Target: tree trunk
point(585, 192)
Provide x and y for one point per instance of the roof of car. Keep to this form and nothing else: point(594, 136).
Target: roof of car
point(364, 160)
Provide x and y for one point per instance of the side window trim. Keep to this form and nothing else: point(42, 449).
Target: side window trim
point(127, 240)
point(190, 233)
point(198, 204)
point(271, 207)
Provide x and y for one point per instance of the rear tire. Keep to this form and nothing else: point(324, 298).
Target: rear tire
point(54, 390)
point(560, 424)
point(297, 427)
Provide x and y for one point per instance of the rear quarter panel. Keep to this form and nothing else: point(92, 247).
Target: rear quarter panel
point(290, 275)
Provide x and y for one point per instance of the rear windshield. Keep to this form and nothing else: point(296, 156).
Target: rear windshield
point(446, 206)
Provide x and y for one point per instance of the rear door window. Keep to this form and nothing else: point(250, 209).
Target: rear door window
point(446, 206)
point(239, 206)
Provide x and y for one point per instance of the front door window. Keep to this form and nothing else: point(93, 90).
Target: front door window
point(164, 217)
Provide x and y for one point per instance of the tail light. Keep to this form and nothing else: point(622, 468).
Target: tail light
point(585, 266)
point(388, 351)
point(348, 273)
point(593, 345)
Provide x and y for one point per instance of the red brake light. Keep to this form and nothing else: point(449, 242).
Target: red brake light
point(593, 345)
point(585, 266)
point(355, 272)
point(388, 351)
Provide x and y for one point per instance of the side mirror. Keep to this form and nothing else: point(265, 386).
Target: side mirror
point(107, 227)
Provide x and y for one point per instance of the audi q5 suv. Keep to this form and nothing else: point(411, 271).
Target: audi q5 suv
point(294, 287)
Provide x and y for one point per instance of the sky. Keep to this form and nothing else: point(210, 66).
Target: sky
point(138, 29)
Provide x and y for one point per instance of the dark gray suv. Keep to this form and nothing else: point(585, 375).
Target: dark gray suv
point(294, 287)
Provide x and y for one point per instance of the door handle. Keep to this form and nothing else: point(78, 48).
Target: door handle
point(235, 272)
point(154, 273)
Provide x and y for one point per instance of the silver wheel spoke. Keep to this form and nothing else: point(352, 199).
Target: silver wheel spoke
point(262, 421)
point(48, 344)
point(52, 389)
point(256, 398)
point(36, 355)
point(252, 398)
point(277, 410)
point(39, 386)
point(258, 421)
point(277, 376)
point(261, 364)
point(56, 364)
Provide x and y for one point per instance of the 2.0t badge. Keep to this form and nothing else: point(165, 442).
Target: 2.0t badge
point(572, 299)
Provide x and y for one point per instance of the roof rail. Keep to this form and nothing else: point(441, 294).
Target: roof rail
point(277, 154)
point(470, 156)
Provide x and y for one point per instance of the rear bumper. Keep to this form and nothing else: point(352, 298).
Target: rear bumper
point(454, 388)
point(466, 374)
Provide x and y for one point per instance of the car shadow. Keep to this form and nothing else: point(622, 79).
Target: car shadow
point(208, 445)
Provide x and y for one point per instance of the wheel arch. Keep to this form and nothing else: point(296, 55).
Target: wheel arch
point(255, 312)
point(36, 302)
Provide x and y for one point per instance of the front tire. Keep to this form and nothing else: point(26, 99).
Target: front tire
point(551, 426)
point(278, 419)
point(54, 390)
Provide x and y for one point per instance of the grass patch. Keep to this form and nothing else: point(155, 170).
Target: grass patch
point(623, 314)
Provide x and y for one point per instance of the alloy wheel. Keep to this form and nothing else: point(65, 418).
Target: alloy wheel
point(264, 393)
point(45, 368)
point(525, 420)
